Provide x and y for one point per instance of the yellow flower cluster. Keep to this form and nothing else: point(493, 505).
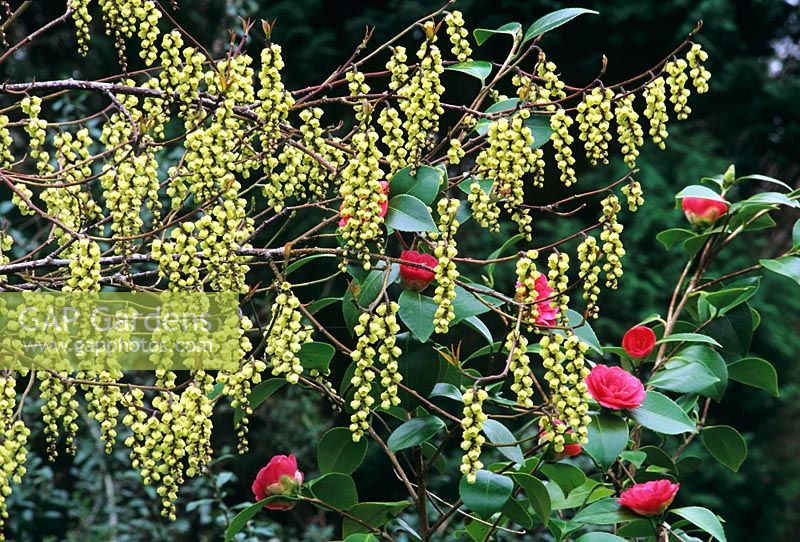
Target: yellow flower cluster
point(612, 243)
point(678, 93)
point(37, 130)
point(507, 159)
point(13, 438)
point(563, 359)
point(379, 329)
point(357, 85)
point(58, 405)
point(124, 17)
point(396, 65)
point(655, 96)
point(287, 334)
point(393, 138)
point(84, 266)
point(630, 134)
point(472, 440)
point(484, 209)
point(560, 121)
point(6, 158)
point(594, 118)
point(588, 256)
point(633, 193)
point(81, 18)
point(517, 346)
point(421, 101)
point(458, 36)
point(455, 152)
point(558, 280)
point(445, 271)
point(551, 88)
point(275, 100)
point(526, 293)
point(6, 242)
point(102, 403)
point(363, 196)
point(699, 74)
point(182, 73)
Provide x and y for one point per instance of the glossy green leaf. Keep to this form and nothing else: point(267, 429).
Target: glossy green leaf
point(485, 184)
point(709, 358)
point(414, 432)
point(361, 537)
point(483, 34)
point(374, 514)
point(479, 69)
point(583, 330)
point(599, 537)
point(335, 489)
point(770, 198)
point(703, 518)
point(636, 457)
point(688, 338)
point(504, 440)
point(566, 476)
point(669, 238)
point(658, 457)
point(477, 324)
point(683, 376)
point(336, 451)
point(316, 356)
point(539, 125)
point(319, 304)
point(662, 415)
point(488, 494)
point(241, 519)
point(796, 234)
point(468, 303)
point(259, 394)
point(417, 312)
point(604, 512)
point(697, 191)
point(424, 185)
point(788, 266)
point(370, 288)
point(515, 510)
point(536, 492)
point(764, 179)
point(608, 436)
point(755, 372)
point(407, 213)
point(294, 266)
point(443, 389)
point(554, 20)
point(725, 444)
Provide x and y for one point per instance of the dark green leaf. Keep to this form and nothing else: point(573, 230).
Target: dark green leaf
point(424, 185)
point(335, 489)
point(554, 20)
point(241, 519)
point(260, 393)
point(770, 198)
point(658, 457)
point(566, 476)
point(583, 330)
point(539, 125)
point(316, 356)
point(683, 376)
point(604, 512)
point(477, 324)
point(488, 494)
point(536, 492)
point(374, 514)
point(414, 432)
point(764, 179)
point(407, 213)
point(485, 184)
point(336, 451)
point(417, 312)
point(319, 304)
point(294, 266)
point(662, 415)
point(725, 444)
point(702, 518)
point(711, 360)
point(669, 238)
point(599, 537)
point(479, 69)
point(469, 303)
point(687, 337)
point(499, 435)
point(755, 372)
point(796, 234)
point(608, 436)
point(517, 513)
point(483, 34)
point(636, 457)
point(446, 390)
point(788, 266)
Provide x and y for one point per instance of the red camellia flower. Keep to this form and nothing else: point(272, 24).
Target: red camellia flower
point(279, 477)
point(615, 388)
point(546, 311)
point(639, 341)
point(650, 498)
point(702, 212)
point(417, 278)
point(384, 203)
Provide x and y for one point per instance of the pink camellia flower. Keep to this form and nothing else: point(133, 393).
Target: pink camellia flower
point(417, 278)
point(547, 312)
point(650, 498)
point(639, 341)
point(384, 203)
point(279, 477)
point(702, 212)
point(615, 388)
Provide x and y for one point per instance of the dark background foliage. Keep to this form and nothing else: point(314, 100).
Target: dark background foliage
point(751, 118)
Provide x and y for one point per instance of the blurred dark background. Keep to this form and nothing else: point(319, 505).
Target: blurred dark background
point(750, 118)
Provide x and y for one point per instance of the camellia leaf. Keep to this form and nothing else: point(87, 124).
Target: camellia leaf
point(417, 312)
point(770, 198)
point(424, 185)
point(335, 489)
point(697, 191)
point(670, 238)
point(663, 415)
point(483, 34)
point(539, 125)
point(725, 444)
point(683, 376)
point(709, 358)
point(294, 266)
point(468, 303)
point(443, 389)
point(608, 436)
point(566, 476)
point(553, 20)
point(373, 514)
point(316, 356)
point(504, 440)
point(515, 510)
point(477, 324)
point(259, 394)
point(604, 512)
point(755, 372)
point(407, 213)
point(788, 266)
point(764, 179)
point(702, 518)
point(599, 537)
point(583, 330)
point(414, 432)
point(796, 234)
point(241, 519)
point(336, 451)
point(687, 338)
point(536, 492)
point(488, 494)
point(479, 69)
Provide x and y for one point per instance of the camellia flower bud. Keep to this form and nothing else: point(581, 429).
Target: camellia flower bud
point(279, 477)
point(413, 277)
point(703, 212)
point(639, 341)
point(650, 498)
point(615, 388)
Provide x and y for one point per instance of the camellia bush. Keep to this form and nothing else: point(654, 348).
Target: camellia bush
point(203, 175)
